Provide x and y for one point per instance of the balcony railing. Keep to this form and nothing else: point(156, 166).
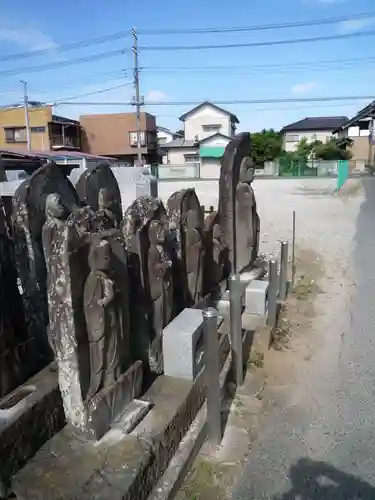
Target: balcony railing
point(58, 141)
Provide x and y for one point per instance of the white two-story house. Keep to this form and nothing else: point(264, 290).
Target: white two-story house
point(207, 130)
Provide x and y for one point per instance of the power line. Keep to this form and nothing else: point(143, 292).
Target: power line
point(234, 29)
point(240, 101)
point(259, 44)
point(63, 48)
point(301, 64)
point(101, 91)
point(257, 27)
point(62, 64)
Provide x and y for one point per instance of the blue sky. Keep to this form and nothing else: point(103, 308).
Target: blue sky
point(248, 73)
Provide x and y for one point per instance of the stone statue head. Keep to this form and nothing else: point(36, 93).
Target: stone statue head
point(156, 232)
point(54, 207)
point(105, 199)
point(100, 256)
point(246, 170)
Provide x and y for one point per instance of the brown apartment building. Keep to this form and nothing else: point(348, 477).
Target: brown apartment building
point(115, 135)
point(47, 131)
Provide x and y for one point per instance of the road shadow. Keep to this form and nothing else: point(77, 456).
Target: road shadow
point(320, 481)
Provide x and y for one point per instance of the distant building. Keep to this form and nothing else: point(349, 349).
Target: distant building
point(357, 134)
point(207, 131)
point(47, 131)
point(115, 135)
point(165, 135)
point(313, 129)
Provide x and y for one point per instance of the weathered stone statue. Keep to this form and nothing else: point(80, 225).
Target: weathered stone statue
point(102, 320)
point(28, 218)
point(237, 214)
point(161, 291)
point(151, 300)
point(186, 224)
point(246, 205)
point(98, 188)
point(88, 314)
point(194, 251)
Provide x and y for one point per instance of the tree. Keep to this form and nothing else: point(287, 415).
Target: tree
point(179, 132)
point(265, 146)
point(330, 150)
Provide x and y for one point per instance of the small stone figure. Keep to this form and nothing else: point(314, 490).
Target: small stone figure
point(194, 254)
point(218, 246)
point(102, 320)
point(56, 215)
point(106, 215)
point(161, 291)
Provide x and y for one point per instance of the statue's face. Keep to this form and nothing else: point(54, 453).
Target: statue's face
point(55, 208)
point(247, 170)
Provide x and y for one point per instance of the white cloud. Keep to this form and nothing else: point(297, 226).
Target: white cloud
point(155, 96)
point(303, 88)
point(352, 25)
point(27, 37)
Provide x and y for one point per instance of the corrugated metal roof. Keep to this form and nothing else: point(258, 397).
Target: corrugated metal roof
point(51, 154)
point(316, 123)
point(179, 143)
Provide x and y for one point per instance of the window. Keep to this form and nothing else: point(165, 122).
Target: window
point(38, 130)
point(133, 139)
point(191, 157)
point(162, 140)
point(15, 134)
point(211, 128)
point(291, 138)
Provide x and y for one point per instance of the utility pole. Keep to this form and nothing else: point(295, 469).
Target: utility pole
point(26, 107)
point(137, 95)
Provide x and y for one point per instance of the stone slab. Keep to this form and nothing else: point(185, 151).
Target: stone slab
point(32, 423)
point(120, 466)
point(256, 297)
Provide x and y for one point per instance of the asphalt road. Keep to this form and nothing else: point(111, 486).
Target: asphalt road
point(321, 443)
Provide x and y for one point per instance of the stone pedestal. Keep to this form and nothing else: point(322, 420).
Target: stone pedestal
point(256, 297)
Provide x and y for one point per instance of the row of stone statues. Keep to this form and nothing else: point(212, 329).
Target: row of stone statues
point(99, 287)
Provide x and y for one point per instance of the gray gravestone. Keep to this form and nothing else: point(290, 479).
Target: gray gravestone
point(145, 229)
point(98, 188)
point(28, 217)
point(89, 327)
point(237, 213)
point(186, 224)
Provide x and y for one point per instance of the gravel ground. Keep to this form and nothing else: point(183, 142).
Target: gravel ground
point(310, 433)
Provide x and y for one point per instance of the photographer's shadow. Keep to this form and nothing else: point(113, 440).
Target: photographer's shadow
point(320, 481)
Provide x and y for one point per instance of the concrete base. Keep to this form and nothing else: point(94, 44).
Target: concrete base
point(26, 426)
point(120, 466)
point(256, 297)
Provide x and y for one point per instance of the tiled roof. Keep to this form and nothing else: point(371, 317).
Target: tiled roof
point(316, 123)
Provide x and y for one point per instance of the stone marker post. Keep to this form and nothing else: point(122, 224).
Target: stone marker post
point(283, 285)
point(236, 290)
point(272, 293)
point(212, 372)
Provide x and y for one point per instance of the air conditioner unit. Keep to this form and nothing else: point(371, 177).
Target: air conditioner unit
point(196, 138)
